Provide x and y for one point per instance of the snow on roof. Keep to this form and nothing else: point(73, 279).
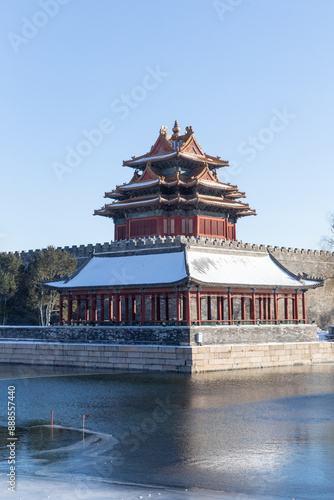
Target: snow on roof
point(135, 202)
point(139, 184)
point(113, 271)
point(224, 268)
point(238, 269)
point(214, 183)
point(195, 156)
point(150, 158)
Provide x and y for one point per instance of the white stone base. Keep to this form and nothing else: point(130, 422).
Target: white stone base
point(185, 359)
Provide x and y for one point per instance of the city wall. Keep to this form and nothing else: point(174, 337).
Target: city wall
point(310, 263)
point(183, 359)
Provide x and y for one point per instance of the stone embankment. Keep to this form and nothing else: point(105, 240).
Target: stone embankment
point(183, 359)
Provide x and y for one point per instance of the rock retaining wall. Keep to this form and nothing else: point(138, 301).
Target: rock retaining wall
point(168, 335)
point(186, 359)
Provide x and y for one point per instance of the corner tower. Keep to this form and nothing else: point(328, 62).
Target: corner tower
point(175, 190)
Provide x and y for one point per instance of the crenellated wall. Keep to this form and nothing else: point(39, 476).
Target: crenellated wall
point(313, 263)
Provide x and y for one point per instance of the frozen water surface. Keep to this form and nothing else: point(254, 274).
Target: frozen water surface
point(259, 434)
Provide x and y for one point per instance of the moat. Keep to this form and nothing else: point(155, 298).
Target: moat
point(264, 433)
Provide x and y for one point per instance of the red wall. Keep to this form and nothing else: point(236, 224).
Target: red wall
point(163, 226)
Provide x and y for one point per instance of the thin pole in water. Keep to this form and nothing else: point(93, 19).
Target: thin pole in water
point(51, 424)
point(83, 425)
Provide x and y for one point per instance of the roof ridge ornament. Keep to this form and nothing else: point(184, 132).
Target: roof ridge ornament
point(176, 129)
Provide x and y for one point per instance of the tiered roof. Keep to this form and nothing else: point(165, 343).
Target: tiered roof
point(175, 173)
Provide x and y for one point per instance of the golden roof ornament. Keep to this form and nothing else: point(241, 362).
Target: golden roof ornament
point(176, 128)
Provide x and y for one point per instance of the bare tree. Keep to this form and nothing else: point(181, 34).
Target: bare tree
point(327, 242)
point(47, 265)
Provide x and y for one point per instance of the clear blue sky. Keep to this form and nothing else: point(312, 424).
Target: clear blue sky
point(254, 78)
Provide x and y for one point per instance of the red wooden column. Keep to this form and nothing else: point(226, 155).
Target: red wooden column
point(243, 309)
point(60, 309)
point(92, 308)
point(188, 308)
point(260, 308)
point(86, 310)
point(304, 307)
point(253, 307)
point(110, 308)
point(102, 308)
point(269, 308)
point(219, 309)
point(177, 295)
point(222, 303)
point(69, 309)
point(198, 306)
point(167, 307)
point(118, 304)
point(126, 307)
point(158, 309)
point(230, 306)
point(95, 308)
point(264, 312)
point(286, 309)
point(78, 309)
point(209, 307)
point(153, 308)
point(184, 306)
point(276, 306)
point(142, 306)
point(133, 309)
point(296, 306)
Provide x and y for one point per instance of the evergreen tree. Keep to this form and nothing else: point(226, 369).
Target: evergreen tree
point(49, 264)
point(11, 268)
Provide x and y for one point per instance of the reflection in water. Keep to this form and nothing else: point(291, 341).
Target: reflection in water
point(259, 432)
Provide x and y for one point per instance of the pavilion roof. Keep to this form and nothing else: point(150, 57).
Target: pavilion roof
point(159, 199)
point(175, 163)
point(176, 146)
point(195, 264)
point(133, 194)
point(152, 177)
